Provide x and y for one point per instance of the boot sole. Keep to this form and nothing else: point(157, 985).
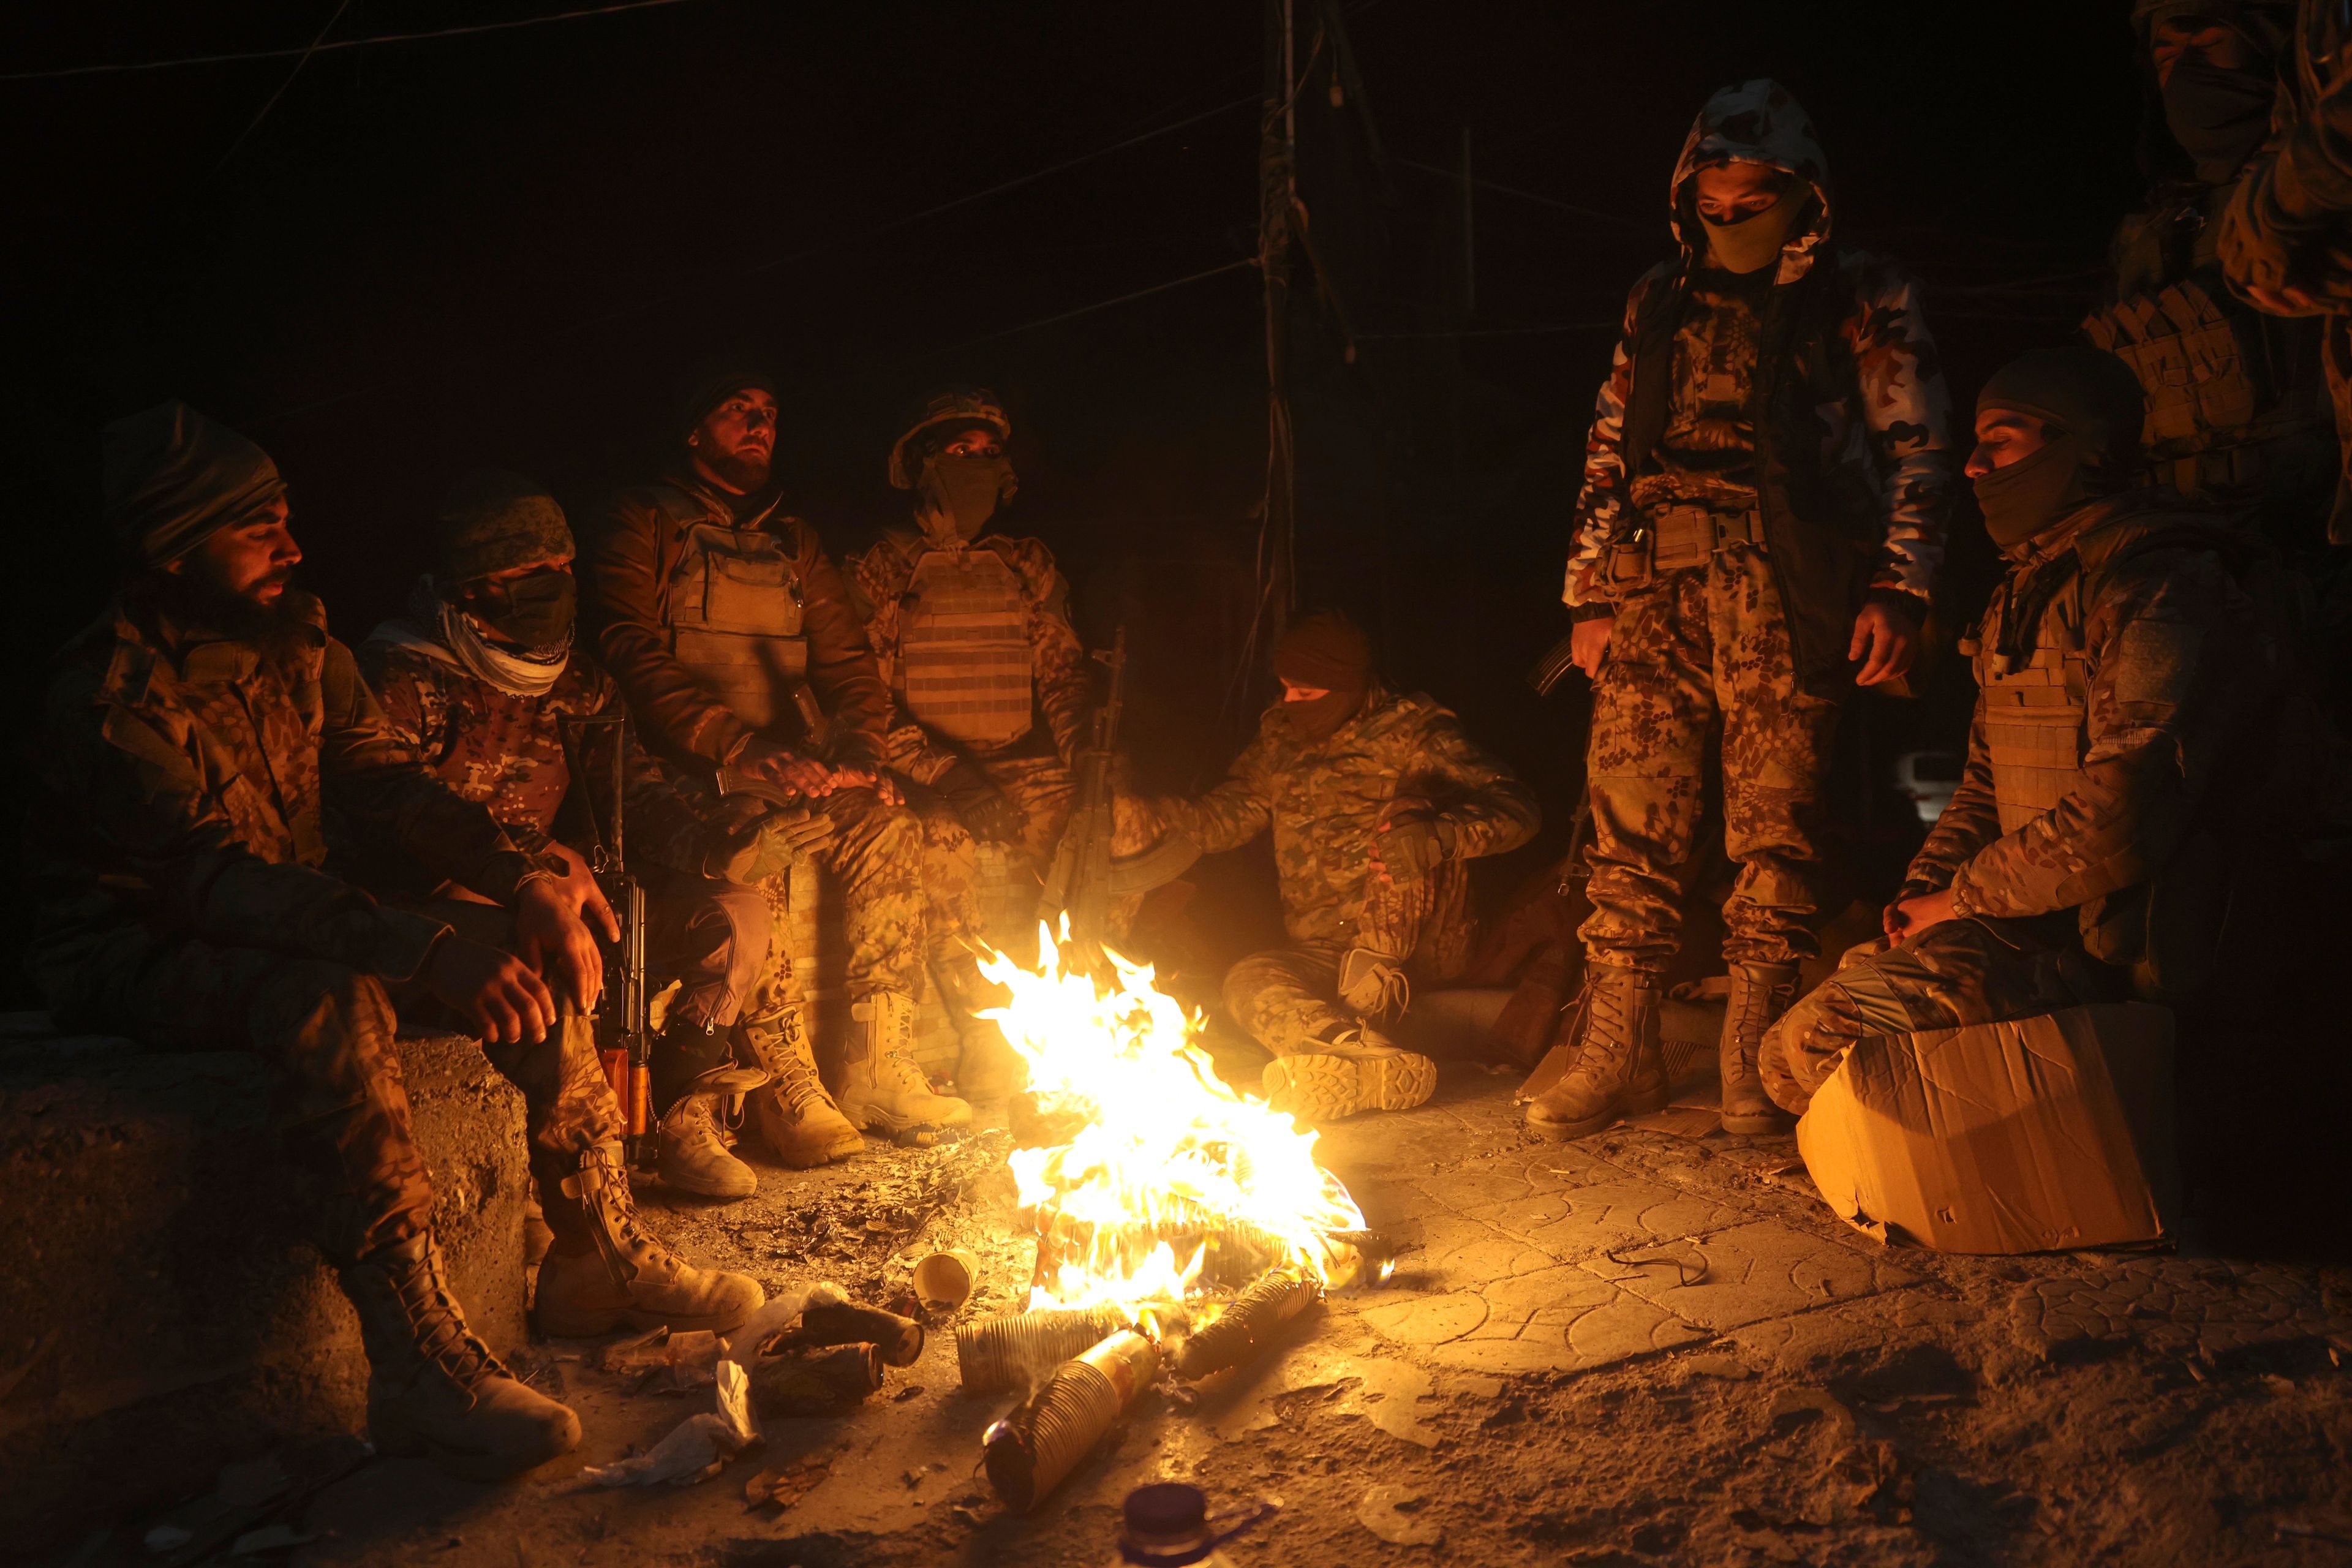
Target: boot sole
point(471, 1464)
point(733, 1192)
point(864, 1117)
point(1326, 1088)
point(1640, 1103)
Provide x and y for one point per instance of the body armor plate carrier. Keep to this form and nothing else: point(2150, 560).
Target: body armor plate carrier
point(735, 612)
point(963, 667)
point(2201, 434)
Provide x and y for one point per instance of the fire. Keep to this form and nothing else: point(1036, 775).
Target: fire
point(1172, 1181)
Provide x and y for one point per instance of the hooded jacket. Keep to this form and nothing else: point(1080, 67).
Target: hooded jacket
point(1850, 410)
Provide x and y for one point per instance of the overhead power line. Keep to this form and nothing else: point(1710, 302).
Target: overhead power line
point(263, 113)
point(1103, 304)
point(342, 44)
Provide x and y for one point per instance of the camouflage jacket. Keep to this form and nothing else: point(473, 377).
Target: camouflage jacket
point(1843, 395)
point(2184, 680)
point(507, 752)
point(1324, 801)
point(878, 578)
point(627, 582)
point(180, 787)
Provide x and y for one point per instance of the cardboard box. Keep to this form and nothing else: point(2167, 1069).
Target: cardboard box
point(2035, 1135)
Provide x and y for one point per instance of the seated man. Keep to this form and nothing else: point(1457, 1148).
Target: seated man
point(196, 733)
point(482, 680)
point(2138, 728)
point(1375, 800)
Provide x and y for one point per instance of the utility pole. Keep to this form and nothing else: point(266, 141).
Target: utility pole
point(1469, 233)
point(1277, 194)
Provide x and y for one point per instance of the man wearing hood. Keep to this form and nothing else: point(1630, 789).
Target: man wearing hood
point(972, 630)
point(1762, 517)
point(481, 676)
point(735, 642)
point(2140, 733)
point(2237, 410)
point(1377, 801)
point(198, 735)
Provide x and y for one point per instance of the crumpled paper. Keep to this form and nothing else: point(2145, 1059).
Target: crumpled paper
point(695, 1448)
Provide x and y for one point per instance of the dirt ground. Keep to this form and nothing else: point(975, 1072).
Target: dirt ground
point(1653, 1346)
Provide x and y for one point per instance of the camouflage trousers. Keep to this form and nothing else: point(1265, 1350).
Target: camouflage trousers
point(1288, 997)
point(1974, 971)
point(326, 1032)
point(1703, 647)
point(875, 863)
point(711, 937)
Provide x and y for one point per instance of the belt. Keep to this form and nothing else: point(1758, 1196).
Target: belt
point(1690, 535)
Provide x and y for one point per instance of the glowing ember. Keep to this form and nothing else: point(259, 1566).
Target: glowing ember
point(1171, 1167)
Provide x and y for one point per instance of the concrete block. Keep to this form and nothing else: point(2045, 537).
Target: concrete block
point(165, 1313)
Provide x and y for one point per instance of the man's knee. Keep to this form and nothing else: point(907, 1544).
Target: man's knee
point(308, 1008)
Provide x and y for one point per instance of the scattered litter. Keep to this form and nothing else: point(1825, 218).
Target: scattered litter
point(269, 1537)
point(1387, 1512)
point(667, 1362)
point(946, 1281)
point(696, 1447)
point(781, 1485)
point(824, 1381)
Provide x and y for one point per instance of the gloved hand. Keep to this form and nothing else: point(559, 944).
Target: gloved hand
point(987, 810)
point(1413, 842)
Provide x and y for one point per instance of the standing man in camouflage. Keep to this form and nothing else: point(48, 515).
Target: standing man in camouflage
point(970, 628)
point(733, 638)
point(1377, 801)
point(2139, 735)
point(197, 733)
point(1764, 502)
point(2237, 408)
point(482, 679)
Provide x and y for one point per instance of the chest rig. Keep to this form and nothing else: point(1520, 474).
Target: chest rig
point(964, 665)
point(735, 608)
point(2203, 395)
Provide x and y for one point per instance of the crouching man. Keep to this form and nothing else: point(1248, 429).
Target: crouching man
point(195, 733)
point(482, 679)
point(2138, 730)
point(1376, 801)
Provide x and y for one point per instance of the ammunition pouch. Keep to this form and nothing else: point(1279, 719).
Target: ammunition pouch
point(1690, 535)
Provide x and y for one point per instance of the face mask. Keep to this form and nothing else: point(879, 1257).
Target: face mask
point(1755, 241)
point(963, 492)
point(2219, 117)
point(536, 612)
point(1319, 718)
point(2031, 494)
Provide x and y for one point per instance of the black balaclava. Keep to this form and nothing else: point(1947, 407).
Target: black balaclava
point(1327, 650)
point(2093, 408)
point(960, 494)
point(2219, 117)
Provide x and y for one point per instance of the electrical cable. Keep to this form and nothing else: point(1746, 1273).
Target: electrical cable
point(1102, 304)
point(251, 125)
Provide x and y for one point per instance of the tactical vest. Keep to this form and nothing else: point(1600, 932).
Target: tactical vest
point(734, 610)
point(963, 666)
point(2201, 434)
point(2033, 718)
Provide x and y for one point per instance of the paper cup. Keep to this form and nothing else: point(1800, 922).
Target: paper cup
point(947, 1278)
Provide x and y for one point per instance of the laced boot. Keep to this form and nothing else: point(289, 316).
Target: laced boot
point(988, 1068)
point(694, 1155)
point(604, 1271)
point(1618, 1072)
point(1372, 985)
point(1760, 993)
point(1352, 1068)
point(432, 1387)
point(794, 1112)
point(881, 1083)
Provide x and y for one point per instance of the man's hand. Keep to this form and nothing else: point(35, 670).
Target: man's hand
point(547, 932)
point(785, 769)
point(1412, 842)
point(578, 885)
point(874, 779)
point(1907, 920)
point(495, 992)
point(1587, 641)
point(1885, 641)
point(2293, 300)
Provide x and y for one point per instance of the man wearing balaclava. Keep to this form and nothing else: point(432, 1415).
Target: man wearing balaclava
point(1376, 802)
point(2139, 731)
point(734, 640)
point(482, 676)
point(199, 731)
point(1762, 516)
point(988, 684)
point(2237, 409)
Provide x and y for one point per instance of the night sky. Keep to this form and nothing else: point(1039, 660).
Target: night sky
point(512, 248)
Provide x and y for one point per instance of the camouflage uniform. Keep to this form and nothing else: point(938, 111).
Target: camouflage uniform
point(175, 849)
point(1749, 425)
point(506, 752)
point(2139, 733)
point(1325, 801)
point(647, 587)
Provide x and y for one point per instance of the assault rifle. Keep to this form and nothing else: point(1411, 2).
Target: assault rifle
point(1086, 877)
point(623, 1024)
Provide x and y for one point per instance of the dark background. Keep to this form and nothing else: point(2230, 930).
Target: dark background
point(512, 246)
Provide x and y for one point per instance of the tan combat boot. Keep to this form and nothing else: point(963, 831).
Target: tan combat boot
point(1372, 985)
point(988, 1068)
point(881, 1084)
point(694, 1155)
point(604, 1271)
point(793, 1113)
point(1760, 993)
point(1618, 1072)
point(1356, 1068)
point(432, 1387)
